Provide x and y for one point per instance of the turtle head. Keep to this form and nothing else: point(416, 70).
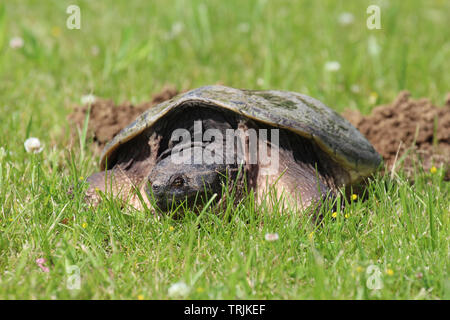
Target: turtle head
point(174, 180)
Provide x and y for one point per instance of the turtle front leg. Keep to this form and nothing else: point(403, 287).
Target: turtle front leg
point(303, 192)
point(116, 183)
point(297, 178)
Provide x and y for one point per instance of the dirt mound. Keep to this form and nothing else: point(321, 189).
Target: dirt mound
point(107, 119)
point(403, 132)
point(416, 126)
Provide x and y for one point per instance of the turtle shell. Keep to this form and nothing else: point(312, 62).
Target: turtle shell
point(296, 112)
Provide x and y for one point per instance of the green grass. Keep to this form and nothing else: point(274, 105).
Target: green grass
point(401, 228)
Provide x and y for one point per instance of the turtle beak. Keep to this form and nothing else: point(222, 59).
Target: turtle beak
point(165, 198)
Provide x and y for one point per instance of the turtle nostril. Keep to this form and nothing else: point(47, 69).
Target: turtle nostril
point(156, 188)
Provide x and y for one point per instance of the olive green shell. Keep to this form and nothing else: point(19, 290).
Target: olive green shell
point(296, 112)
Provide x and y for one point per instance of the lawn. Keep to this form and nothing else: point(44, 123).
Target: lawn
point(393, 244)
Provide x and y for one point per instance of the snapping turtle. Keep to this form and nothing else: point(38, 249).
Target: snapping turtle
point(189, 147)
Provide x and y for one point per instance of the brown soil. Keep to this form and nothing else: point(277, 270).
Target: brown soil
point(106, 119)
point(416, 126)
point(406, 125)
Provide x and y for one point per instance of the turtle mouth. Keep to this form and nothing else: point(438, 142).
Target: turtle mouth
point(171, 202)
point(167, 200)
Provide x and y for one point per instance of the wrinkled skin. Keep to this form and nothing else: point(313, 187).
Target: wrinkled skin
point(171, 183)
point(305, 174)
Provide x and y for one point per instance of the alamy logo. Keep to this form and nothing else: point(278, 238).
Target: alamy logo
point(241, 146)
point(73, 277)
point(374, 281)
point(374, 20)
point(74, 20)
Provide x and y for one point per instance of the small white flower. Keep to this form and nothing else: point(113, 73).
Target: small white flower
point(346, 18)
point(33, 145)
point(373, 47)
point(2, 153)
point(271, 236)
point(373, 98)
point(16, 43)
point(384, 3)
point(179, 289)
point(243, 27)
point(260, 82)
point(88, 99)
point(332, 66)
point(355, 88)
point(95, 50)
point(176, 29)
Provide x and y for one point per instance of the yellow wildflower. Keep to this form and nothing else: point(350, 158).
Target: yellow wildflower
point(84, 225)
point(433, 169)
point(390, 272)
point(373, 97)
point(171, 228)
point(334, 214)
point(140, 297)
point(200, 290)
point(354, 197)
point(311, 235)
point(56, 31)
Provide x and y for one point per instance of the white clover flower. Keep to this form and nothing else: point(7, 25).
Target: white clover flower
point(355, 88)
point(88, 99)
point(2, 153)
point(33, 145)
point(179, 289)
point(346, 18)
point(373, 97)
point(16, 43)
point(271, 236)
point(95, 50)
point(373, 47)
point(332, 66)
point(176, 29)
point(384, 3)
point(243, 27)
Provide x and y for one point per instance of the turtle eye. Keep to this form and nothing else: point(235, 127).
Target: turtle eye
point(178, 182)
